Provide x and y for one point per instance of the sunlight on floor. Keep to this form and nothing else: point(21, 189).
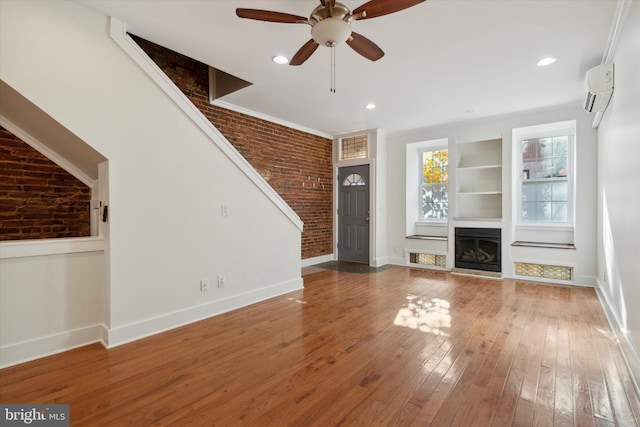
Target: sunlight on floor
point(430, 316)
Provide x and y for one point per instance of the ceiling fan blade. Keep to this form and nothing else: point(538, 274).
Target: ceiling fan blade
point(375, 8)
point(304, 52)
point(365, 47)
point(270, 16)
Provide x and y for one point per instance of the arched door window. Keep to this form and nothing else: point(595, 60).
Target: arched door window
point(353, 179)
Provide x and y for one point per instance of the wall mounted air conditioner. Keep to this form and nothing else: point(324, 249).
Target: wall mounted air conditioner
point(599, 85)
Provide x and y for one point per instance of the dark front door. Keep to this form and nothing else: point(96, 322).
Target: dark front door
point(353, 213)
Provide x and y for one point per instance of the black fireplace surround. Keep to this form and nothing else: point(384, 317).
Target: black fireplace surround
point(478, 248)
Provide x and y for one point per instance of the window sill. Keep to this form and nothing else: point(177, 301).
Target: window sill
point(544, 245)
point(421, 237)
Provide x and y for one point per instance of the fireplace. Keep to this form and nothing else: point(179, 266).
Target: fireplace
point(478, 248)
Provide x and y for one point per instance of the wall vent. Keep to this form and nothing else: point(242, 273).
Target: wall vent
point(555, 272)
point(428, 259)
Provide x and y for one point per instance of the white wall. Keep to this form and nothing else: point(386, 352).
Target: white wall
point(583, 258)
point(619, 191)
point(167, 178)
point(50, 296)
point(378, 213)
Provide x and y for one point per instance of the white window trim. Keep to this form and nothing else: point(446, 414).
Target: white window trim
point(536, 132)
point(413, 224)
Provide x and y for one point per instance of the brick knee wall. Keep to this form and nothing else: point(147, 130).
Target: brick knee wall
point(39, 199)
point(286, 158)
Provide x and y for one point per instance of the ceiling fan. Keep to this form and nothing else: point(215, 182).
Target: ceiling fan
point(331, 25)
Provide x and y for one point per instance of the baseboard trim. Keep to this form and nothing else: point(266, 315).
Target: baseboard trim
point(135, 331)
point(308, 262)
point(14, 354)
point(631, 358)
point(397, 261)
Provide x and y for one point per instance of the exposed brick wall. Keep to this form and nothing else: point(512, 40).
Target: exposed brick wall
point(38, 199)
point(285, 157)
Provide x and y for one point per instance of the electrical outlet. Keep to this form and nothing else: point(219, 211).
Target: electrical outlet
point(204, 285)
point(222, 281)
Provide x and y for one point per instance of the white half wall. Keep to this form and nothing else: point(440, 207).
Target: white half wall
point(619, 193)
point(169, 177)
point(50, 296)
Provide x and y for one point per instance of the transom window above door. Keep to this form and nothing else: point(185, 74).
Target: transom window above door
point(354, 147)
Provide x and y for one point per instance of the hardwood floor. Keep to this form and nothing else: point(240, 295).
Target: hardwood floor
point(398, 347)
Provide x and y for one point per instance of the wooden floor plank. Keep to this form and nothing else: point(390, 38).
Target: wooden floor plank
point(394, 347)
point(545, 397)
point(583, 414)
point(534, 338)
point(563, 404)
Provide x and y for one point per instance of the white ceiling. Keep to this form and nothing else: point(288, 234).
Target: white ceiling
point(446, 60)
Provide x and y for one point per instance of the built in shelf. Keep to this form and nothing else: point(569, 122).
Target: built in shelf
point(479, 179)
point(477, 193)
point(476, 167)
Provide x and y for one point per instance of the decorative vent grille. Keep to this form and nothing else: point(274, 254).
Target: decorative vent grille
point(354, 147)
point(428, 259)
point(546, 271)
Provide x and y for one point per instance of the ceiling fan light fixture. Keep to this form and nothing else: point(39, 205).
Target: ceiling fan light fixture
point(331, 32)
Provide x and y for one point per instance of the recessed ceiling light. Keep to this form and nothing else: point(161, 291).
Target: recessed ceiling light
point(370, 106)
point(280, 59)
point(546, 61)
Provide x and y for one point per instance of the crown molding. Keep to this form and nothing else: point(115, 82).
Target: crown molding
point(271, 119)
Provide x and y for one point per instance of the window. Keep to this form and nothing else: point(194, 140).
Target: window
point(426, 203)
point(545, 176)
point(353, 179)
point(354, 147)
point(544, 179)
point(434, 176)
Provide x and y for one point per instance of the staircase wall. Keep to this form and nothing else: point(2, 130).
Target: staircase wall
point(170, 175)
point(296, 164)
